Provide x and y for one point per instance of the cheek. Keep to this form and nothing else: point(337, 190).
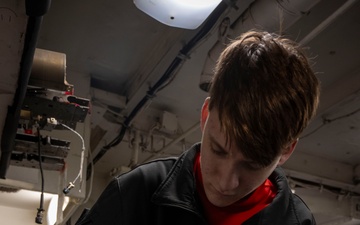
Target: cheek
point(257, 178)
point(254, 179)
point(208, 167)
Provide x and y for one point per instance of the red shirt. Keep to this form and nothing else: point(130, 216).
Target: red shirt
point(241, 210)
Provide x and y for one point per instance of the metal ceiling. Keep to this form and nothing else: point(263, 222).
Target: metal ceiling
point(113, 47)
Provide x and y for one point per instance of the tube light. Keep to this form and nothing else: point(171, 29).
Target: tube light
point(187, 14)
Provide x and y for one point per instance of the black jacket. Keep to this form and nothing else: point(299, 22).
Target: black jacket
point(163, 192)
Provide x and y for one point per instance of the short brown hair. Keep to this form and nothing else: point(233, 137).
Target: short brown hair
point(265, 92)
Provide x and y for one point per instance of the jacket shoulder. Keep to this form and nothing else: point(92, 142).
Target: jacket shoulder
point(116, 204)
point(287, 207)
point(302, 211)
point(151, 173)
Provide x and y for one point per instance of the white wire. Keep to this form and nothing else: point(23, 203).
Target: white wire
point(91, 178)
point(82, 154)
point(81, 165)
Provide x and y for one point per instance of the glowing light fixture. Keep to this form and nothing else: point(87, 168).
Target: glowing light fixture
point(188, 14)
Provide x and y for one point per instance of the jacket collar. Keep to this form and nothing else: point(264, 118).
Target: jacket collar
point(281, 204)
point(178, 189)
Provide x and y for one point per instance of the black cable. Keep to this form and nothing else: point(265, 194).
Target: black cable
point(40, 210)
point(13, 114)
point(327, 121)
point(35, 10)
point(168, 73)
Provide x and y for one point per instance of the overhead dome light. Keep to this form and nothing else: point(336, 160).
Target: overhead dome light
point(188, 14)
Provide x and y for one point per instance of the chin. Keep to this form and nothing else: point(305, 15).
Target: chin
point(221, 201)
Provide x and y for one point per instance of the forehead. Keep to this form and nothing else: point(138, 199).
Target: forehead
point(213, 119)
point(213, 125)
point(217, 137)
point(216, 132)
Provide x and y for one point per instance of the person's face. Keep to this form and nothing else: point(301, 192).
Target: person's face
point(227, 175)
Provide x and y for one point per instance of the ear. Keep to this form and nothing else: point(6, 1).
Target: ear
point(285, 155)
point(204, 113)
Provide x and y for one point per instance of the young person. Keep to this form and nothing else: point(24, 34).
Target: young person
point(263, 95)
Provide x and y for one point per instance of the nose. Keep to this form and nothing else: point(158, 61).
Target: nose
point(228, 179)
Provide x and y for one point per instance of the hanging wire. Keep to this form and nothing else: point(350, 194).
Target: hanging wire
point(327, 121)
point(79, 176)
point(91, 179)
point(40, 210)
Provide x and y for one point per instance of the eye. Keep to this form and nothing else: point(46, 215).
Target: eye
point(218, 152)
point(253, 166)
